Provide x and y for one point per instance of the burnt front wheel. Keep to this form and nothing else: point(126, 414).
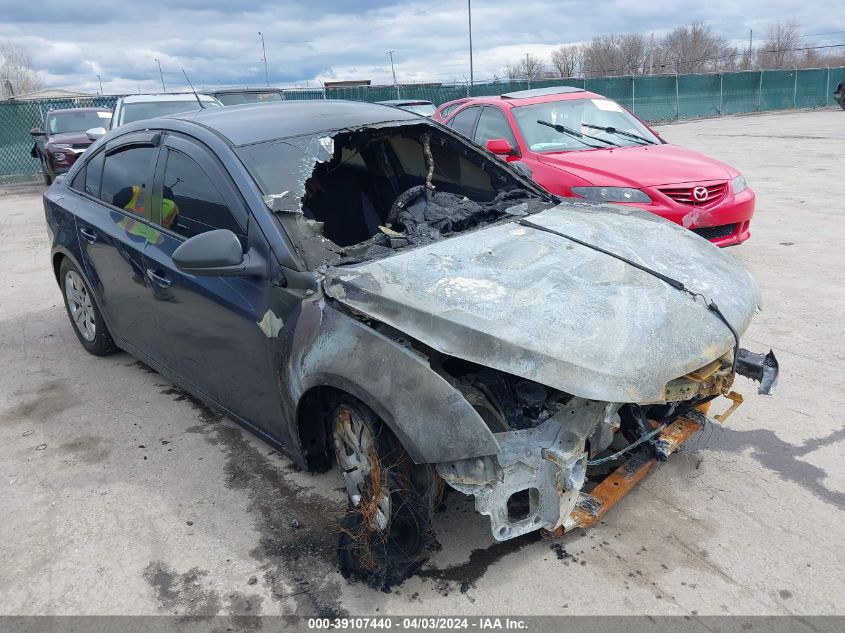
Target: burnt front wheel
point(387, 533)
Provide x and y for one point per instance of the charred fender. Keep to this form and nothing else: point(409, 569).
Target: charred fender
point(431, 419)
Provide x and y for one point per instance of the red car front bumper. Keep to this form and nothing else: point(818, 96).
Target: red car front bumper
point(724, 223)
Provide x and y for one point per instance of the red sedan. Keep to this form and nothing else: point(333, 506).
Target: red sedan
point(580, 144)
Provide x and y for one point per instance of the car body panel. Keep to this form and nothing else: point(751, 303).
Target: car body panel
point(646, 166)
point(494, 296)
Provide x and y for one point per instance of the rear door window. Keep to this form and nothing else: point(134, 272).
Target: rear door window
point(127, 177)
point(464, 121)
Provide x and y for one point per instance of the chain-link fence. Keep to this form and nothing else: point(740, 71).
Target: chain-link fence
point(17, 118)
point(651, 97)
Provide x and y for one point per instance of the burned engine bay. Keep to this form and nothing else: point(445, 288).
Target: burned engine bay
point(379, 190)
point(564, 460)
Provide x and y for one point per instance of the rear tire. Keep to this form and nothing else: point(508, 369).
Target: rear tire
point(387, 533)
point(48, 179)
point(82, 310)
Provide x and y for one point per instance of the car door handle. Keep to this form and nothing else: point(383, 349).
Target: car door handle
point(159, 280)
point(88, 234)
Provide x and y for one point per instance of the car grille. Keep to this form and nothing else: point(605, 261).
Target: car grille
point(715, 232)
point(685, 195)
point(80, 145)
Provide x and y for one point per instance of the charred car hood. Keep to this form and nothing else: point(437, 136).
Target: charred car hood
point(539, 306)
point(646, 166)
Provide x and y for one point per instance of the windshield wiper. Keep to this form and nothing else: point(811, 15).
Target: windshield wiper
point(618, 132)
point(568, 130)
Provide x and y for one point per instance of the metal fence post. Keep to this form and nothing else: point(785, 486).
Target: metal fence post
point(721, 76)
point(827, 87)
point(633, 94)
point(677, 98)
point(795, 91)
point(760, 92)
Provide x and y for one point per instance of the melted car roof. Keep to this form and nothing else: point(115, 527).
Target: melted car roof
point(255, 123)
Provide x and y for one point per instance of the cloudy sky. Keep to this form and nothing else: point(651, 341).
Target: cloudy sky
point(307, 41)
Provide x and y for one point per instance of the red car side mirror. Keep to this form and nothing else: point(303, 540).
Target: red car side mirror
point(500, 146)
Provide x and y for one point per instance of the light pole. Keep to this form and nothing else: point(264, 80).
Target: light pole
point(393, 70)
point(101, 85)
point(160, 74)
point(469, 17)
point(264, 57)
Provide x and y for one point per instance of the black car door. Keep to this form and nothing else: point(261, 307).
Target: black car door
point(215, 331)
point(113, 221)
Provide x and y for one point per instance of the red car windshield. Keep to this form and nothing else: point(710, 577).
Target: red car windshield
point(585, 116)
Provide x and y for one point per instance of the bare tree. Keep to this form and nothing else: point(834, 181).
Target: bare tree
point(529, 68)
point(747, 60)
point(602, 57)
point(17, 76)
point(626, 54)
point(633, 53)
point(782, 38)
point(693, 48)
point(566, 60)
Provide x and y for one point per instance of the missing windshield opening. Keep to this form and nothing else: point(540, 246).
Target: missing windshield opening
point(387, 189)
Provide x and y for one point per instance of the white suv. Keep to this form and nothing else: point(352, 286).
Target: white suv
point(137, 107)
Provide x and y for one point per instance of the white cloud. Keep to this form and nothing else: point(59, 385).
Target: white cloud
point(217, 42)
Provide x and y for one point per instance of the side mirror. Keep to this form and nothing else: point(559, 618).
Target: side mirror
point(37, 131)
point(95, 132)
point(217, 254)
point(500, 147)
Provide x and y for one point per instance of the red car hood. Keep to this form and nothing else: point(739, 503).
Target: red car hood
point(75, 138)
point(640, 166)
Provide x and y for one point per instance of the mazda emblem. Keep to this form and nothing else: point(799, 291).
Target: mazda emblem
point(700, 194)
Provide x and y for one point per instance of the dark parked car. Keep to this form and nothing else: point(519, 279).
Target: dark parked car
point(240, 96)
point(358, 284)
point(839, 95)
point(63, 138)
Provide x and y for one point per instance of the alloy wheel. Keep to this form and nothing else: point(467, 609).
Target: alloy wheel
point(79, 303)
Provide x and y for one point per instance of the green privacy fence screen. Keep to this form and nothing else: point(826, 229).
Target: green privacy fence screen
point(651, 97)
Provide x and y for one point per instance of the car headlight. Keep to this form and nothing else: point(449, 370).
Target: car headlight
point(59, 156)
point(738, 184)
point(611, 194)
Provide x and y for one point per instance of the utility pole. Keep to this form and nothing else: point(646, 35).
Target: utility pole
point(160, 74)
point(264, 57)
point(651, 56)
point(393, 70)
point(469, 16)
point(101, 85)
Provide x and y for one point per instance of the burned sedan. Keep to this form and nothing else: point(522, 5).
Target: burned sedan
point(356, 284)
